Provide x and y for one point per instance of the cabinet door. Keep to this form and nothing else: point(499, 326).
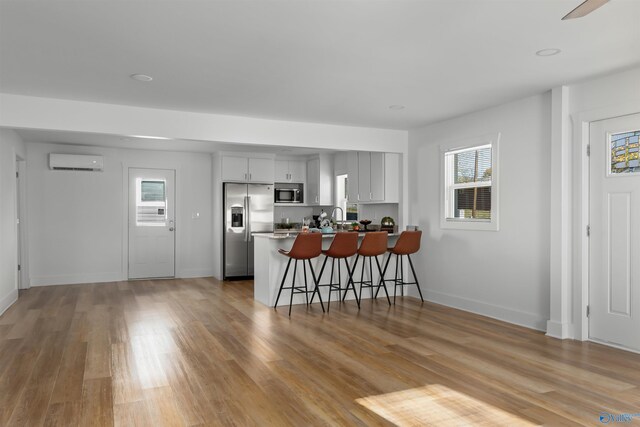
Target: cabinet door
point(261, 170)
point(281, 171)
point(392, 178)
point(364, 176)
point(297, 171)
point(313, 181)
point(352, 177)
point(377, 177)
point(234, 169)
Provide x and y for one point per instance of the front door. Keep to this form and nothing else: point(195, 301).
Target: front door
point(151, 223)
point(614, 284)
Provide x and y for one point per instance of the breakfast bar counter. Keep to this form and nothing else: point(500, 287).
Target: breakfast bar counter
point(269, 267)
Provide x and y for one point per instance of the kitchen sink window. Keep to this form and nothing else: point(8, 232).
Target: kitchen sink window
point(469, 193)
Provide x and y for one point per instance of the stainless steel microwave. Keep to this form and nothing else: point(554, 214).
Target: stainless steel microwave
point(288, 195)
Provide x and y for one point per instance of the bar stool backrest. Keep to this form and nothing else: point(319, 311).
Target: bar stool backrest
point(408, 243)
point(306, 246)
point(344, 245)
point(374, 244)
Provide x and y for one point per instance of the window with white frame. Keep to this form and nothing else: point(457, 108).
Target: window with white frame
point(470, 185)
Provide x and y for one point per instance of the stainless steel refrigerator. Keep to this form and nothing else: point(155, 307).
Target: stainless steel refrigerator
point(248, 208)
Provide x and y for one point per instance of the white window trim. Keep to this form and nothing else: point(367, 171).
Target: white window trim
point(471, 224)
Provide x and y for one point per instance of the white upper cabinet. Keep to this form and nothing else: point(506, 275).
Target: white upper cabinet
point(282, 171)
point(261, 170)
point(364, 177)
point(352, 172)
point(297, 170)
point(376, 187)
point(235, 168)
point(313, 181)
point(373, 177)
point(320, 180)
point(291, 171)
point(244, 169)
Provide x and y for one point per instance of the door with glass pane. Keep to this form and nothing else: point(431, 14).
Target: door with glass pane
point(614, 279)
point(151, 223)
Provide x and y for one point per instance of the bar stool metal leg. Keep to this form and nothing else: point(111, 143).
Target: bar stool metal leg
point(384, 286)
point(317, 289)
point(350, 282)
point(395, 282)
point(282, 284)
point(315, 282)
point(293, 285)
point(382, 279)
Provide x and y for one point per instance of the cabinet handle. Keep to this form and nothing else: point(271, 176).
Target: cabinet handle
point(249, 177)
point(245, 177)
point(371, 196)
point(358, 197)
point(316, 199)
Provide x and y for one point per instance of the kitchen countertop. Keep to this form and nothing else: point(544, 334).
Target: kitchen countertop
point(292, 235)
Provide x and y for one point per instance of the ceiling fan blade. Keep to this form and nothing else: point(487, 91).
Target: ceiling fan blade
point(584, 8)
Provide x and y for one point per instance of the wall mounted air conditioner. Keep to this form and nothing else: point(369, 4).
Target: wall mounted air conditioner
point(75, 162)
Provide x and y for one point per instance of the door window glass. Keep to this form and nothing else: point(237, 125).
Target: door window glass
point(151, 203)
point(624, 149)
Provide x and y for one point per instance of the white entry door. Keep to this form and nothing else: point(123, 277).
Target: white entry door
point(614, 285)
point(151, 223)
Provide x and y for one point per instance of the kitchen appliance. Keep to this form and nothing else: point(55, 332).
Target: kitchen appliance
point(248, 208)
point(288, 195)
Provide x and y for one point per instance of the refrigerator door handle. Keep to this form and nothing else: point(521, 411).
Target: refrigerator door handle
point(248, 227)
point(246, 218)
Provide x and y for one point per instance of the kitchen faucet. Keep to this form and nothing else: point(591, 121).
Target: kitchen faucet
point(338, 225)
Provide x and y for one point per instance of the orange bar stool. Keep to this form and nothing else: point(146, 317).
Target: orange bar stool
point(306, 247)
point(373, 245)
point(343, 246)
point(408, 243)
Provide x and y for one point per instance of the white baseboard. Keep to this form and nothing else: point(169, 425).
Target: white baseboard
point(194, 273)
point(75, 279)
point(8, 300)
point(522, 318)
point(559, 330)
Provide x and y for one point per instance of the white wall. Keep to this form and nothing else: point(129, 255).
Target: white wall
point(502, 274)
point(10, 146)
point(78, 221)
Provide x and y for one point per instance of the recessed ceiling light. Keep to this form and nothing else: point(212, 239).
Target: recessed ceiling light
point(396, 107)
point(548, 52)
point(141, 77)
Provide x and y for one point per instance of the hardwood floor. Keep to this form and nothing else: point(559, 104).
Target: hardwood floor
point(198, 352)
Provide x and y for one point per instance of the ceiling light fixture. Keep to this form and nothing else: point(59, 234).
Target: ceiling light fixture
point(141, 77)
point(548, 52)
point(147, 137)
point(396, 107)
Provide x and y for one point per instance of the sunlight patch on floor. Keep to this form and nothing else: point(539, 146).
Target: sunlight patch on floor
point(437, 405)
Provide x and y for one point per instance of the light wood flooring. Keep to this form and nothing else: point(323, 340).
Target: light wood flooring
point(199, 352)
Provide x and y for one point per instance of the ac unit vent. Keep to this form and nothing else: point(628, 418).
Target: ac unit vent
point(76, 162)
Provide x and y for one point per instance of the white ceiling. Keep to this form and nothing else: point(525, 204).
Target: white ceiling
point(340, 62)
point(141, 143)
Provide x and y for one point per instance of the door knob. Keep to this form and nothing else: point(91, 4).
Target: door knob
point(171, 228)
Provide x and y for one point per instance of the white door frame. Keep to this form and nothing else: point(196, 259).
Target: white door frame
point(581, 123)
point(124, 266)
point(21, 207)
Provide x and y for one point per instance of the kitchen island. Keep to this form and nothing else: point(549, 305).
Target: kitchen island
point(269, 267)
